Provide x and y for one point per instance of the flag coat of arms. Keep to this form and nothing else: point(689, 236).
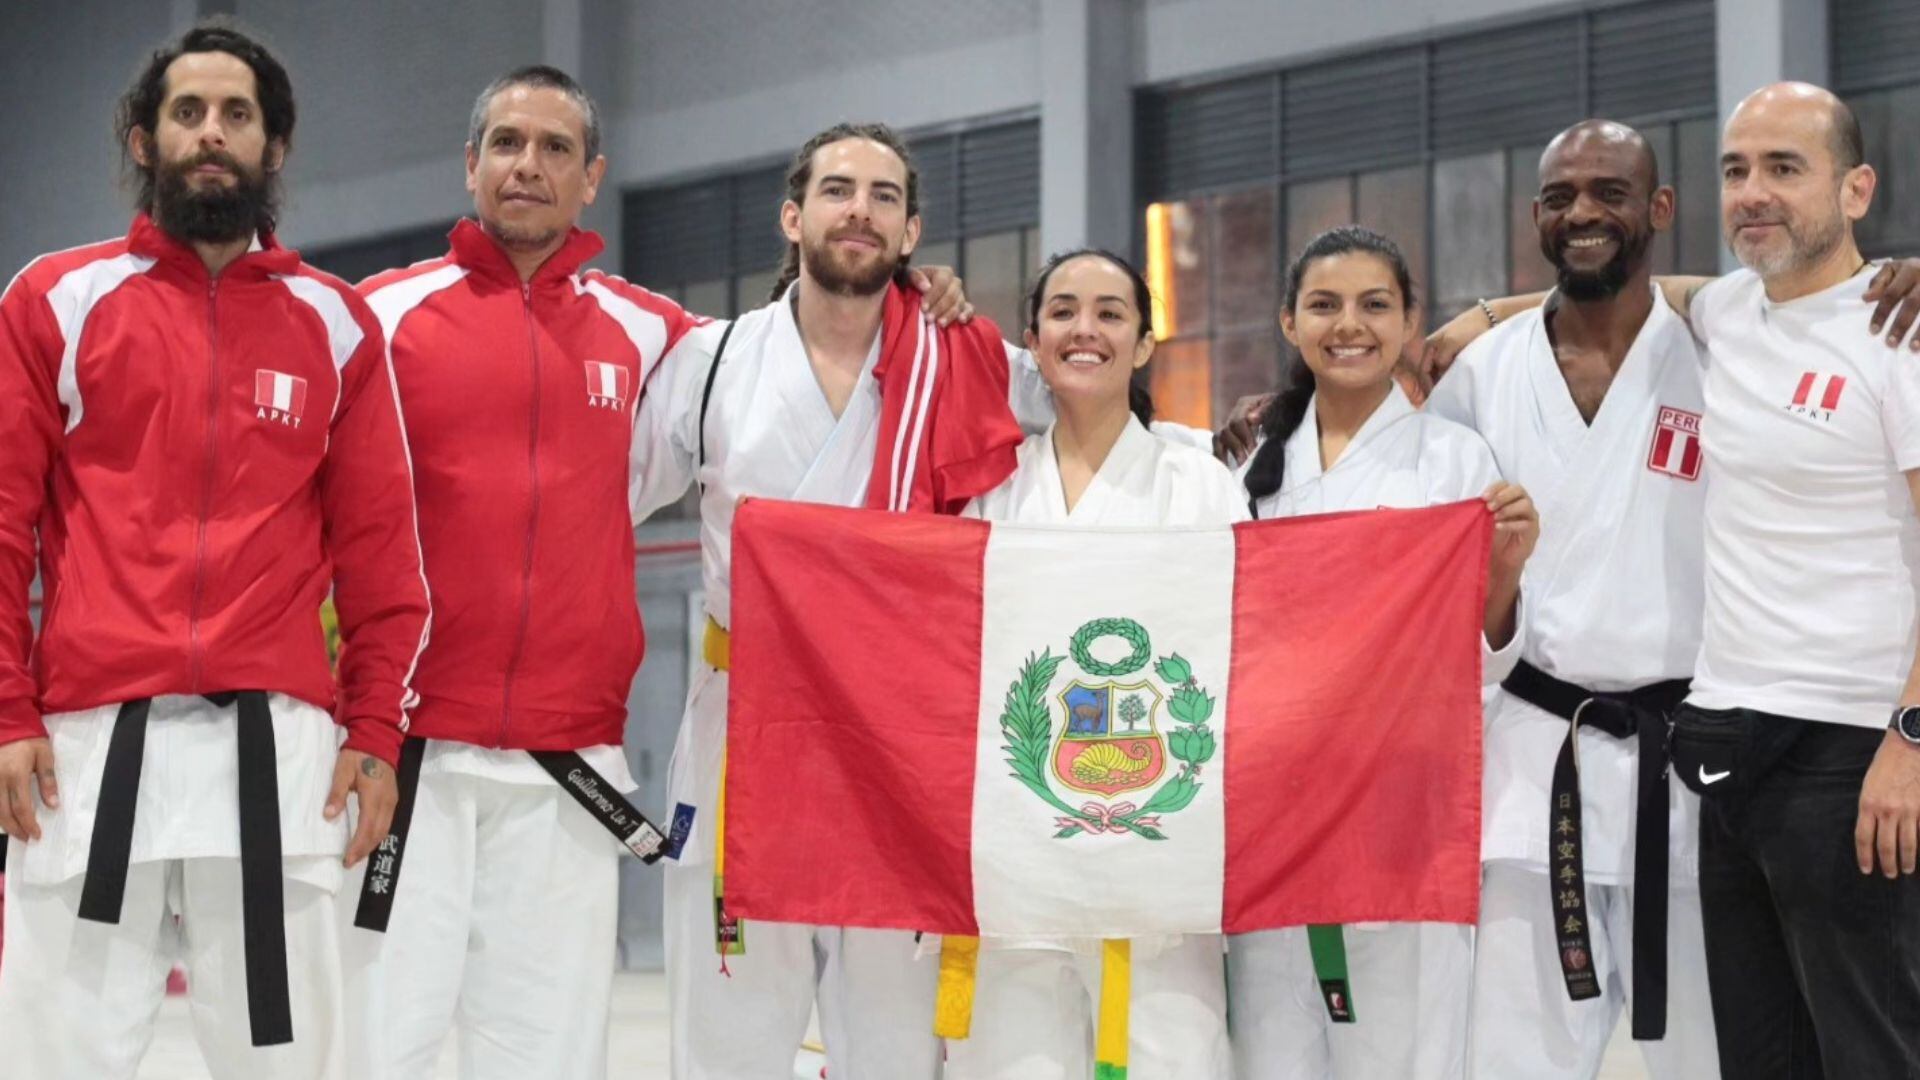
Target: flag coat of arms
point(978, 728)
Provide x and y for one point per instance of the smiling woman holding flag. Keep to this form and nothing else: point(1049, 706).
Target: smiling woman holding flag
point(1072, 1008)
point(1342, 436)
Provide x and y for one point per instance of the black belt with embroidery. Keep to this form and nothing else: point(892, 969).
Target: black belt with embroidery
point(1641, 713)
point(262, 890)
point(580, 780)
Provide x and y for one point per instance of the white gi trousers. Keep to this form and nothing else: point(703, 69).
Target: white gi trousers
point(1524, 1025)
point(874, 992)
point(78, 998)
point(875, 996)
point(1034, 1011)
point(1410, 997)
point(503, 929)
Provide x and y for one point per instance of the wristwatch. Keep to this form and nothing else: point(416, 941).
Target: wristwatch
point(1906, 721)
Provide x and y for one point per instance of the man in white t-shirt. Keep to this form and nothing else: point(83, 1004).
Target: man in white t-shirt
point(1811, 798)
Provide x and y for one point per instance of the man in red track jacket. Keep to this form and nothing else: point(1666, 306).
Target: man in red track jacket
point(199, 437)
point(521, 373)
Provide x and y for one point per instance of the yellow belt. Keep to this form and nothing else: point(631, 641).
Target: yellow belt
point(716, 650)
point(716, 646)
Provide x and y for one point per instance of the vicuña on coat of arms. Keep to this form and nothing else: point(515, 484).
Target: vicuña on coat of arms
point(1105, 740)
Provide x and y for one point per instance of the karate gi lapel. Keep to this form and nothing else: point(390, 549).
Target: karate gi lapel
point(1107, 491)
point(839, 451)
point(1599, 464)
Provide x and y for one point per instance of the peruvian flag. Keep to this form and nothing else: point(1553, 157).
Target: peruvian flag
point(606, 380)
point(966, 727)
point(279, 391)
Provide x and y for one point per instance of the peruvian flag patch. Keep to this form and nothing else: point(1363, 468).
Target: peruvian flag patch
point(1676, 444)
point(280, 392)
point(607, 384)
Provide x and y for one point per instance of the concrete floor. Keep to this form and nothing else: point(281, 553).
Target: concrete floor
point(637, 1043)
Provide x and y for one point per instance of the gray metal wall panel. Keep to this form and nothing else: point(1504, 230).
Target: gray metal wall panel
point(938, 159)
point(1208, 136)
point(1354, 114)
point(1652, 60)
point(1505, 86)
point(679, 233)
point(1874, 43)
point(1000, 178)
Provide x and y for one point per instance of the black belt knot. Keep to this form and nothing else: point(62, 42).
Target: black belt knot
point(262, 889)
point(1642, 713)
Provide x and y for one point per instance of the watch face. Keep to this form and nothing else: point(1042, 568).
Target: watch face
point(1908, 723)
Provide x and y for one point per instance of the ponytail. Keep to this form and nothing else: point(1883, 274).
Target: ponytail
point(1283, 417)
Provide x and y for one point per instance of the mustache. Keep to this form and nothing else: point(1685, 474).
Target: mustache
point(857, 233)
point(1743, 218)
point(211, 157)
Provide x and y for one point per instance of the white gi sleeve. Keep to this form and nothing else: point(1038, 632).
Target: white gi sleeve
point(1198, 438)
point(1027, 392)
point(1470, 470)
point(664, 456)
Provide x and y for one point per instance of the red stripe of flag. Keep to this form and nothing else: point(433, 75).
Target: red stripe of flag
point(1662, 447)
point(861, 631)
point(1690, 457)
point(1806, 387)
point(1353, 791)
point(1831, 399)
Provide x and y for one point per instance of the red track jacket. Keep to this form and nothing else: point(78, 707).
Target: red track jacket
point(520, 400)
point(200, 459)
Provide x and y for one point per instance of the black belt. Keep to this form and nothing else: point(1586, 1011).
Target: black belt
point(1641, 713)
point(581, 780)
point(262, 889)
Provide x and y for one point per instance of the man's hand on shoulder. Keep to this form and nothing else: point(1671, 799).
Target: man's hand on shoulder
point(941, 294)
point(1895, 292)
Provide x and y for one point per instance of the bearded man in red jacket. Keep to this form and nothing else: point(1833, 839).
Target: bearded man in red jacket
point(198, 439)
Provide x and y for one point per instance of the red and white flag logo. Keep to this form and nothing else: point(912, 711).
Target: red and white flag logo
point(280, 392)
point(1818, 390)
point(1676, 444)
point(607, 384)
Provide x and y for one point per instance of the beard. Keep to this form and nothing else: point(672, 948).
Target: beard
point(215, 214)
point(846, 277)
point(1808, 242)
point(1606, 282)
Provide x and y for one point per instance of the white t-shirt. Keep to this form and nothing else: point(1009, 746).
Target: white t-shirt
point(1812, 543)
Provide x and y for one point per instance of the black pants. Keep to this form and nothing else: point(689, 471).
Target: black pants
point(1814, 966)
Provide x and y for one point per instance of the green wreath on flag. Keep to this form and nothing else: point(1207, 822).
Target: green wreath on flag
point(1026, 722)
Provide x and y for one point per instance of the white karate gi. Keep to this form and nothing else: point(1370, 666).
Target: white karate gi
point(494, 849)
point(99, 985)
point(1613, 602)
point(1409, 980)
point(1035, 1002)
point(769, 432)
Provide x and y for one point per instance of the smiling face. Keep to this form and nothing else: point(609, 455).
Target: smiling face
point(1598, 208)
point(529, 175)
point(853, 227)
point(1087, 332)
point(1350, 321)
point(1786, 199)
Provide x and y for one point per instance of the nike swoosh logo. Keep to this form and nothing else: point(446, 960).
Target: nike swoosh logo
point(1713, 778)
